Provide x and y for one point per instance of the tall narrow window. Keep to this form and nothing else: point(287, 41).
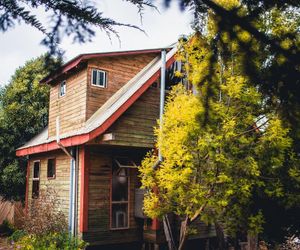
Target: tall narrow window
point(62, 88)
point(36, 180)
point(51, 168)
point(98, 78)
point(119, 199)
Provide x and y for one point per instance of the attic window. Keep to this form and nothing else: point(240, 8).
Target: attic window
point(98, 78)
point(62, 89)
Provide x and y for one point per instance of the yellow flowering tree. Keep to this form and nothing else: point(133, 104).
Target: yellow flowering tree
point(218, 139)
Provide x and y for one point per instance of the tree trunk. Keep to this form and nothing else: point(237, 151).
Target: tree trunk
point(220, 236)
point(183, 233)
point(168, 233)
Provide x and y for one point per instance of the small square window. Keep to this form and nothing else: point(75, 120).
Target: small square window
point(62, 88)
point(51, 168)
point(98, 78)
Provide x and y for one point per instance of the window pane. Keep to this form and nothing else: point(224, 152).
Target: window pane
point(51, 168)
point(36, 170)
point(119, 215)
point(94, 77)
point(35, 188)
point(62, 88)
point(102, 79)
point(119, 188)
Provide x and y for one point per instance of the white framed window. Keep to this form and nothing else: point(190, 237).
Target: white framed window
point(119, 198)
point(62, 88)
point(98, 78)
point(36, 179)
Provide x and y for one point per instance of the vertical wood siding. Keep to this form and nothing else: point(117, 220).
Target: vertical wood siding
point(82, 99)
point(60, 183)
point(99, 232)
point(136, 126)
point(119, 71)
point(71, 108)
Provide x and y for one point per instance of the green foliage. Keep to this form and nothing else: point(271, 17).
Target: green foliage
point(45, 226)
point(222, 146)
point(23, 113)
point(6, 228)
point(51, 241)
point(17, 235)
point(45, 216)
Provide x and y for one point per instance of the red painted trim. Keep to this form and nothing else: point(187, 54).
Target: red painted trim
point(155, 225)
point(67, 142)
point(83, 138)
point(27, 186)
point(84, 189)
point(78, 59)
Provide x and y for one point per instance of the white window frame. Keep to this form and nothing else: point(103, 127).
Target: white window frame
point(127, 203)
point(65, 88)
point(104, 85)
point(36, 178)
point(54, 175)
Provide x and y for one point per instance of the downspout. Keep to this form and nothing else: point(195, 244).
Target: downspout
point(162, 95)
point(166, 223)
point(73, 181)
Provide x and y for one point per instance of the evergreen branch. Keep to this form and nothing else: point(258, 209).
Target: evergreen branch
point(233, 18)
point(14, 11)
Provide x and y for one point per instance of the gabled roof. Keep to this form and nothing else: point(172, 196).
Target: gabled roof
point(76, 61)
point(106, 115)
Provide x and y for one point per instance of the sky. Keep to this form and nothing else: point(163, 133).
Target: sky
point(162, 28)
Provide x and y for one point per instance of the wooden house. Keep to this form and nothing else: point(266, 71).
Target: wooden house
point(102, 111)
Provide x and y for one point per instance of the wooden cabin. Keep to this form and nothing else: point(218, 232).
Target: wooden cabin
point(102, 111)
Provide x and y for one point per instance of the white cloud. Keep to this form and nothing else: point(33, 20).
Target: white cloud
point(23, 42)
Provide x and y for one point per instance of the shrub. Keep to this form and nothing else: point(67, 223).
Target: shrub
point(45, 226)
point(6, 228)
point(44, 215)
point(51, 241)
point(17, 235)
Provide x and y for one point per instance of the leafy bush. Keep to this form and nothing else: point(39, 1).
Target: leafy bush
point(45, 226)
point(51, 241)
point(44, 216)
point(6, 228)
point(17, 235)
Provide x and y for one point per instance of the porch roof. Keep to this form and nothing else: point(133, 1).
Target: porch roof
point(105, 116)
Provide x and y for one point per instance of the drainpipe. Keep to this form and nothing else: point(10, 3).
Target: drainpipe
point(166, 223)
point(162, 94)
point(73, 192)
point(73, 181)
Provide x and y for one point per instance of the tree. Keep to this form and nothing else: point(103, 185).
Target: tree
point(220, 146)
point(23, 113)
point(275, 25)
point(78, 19)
